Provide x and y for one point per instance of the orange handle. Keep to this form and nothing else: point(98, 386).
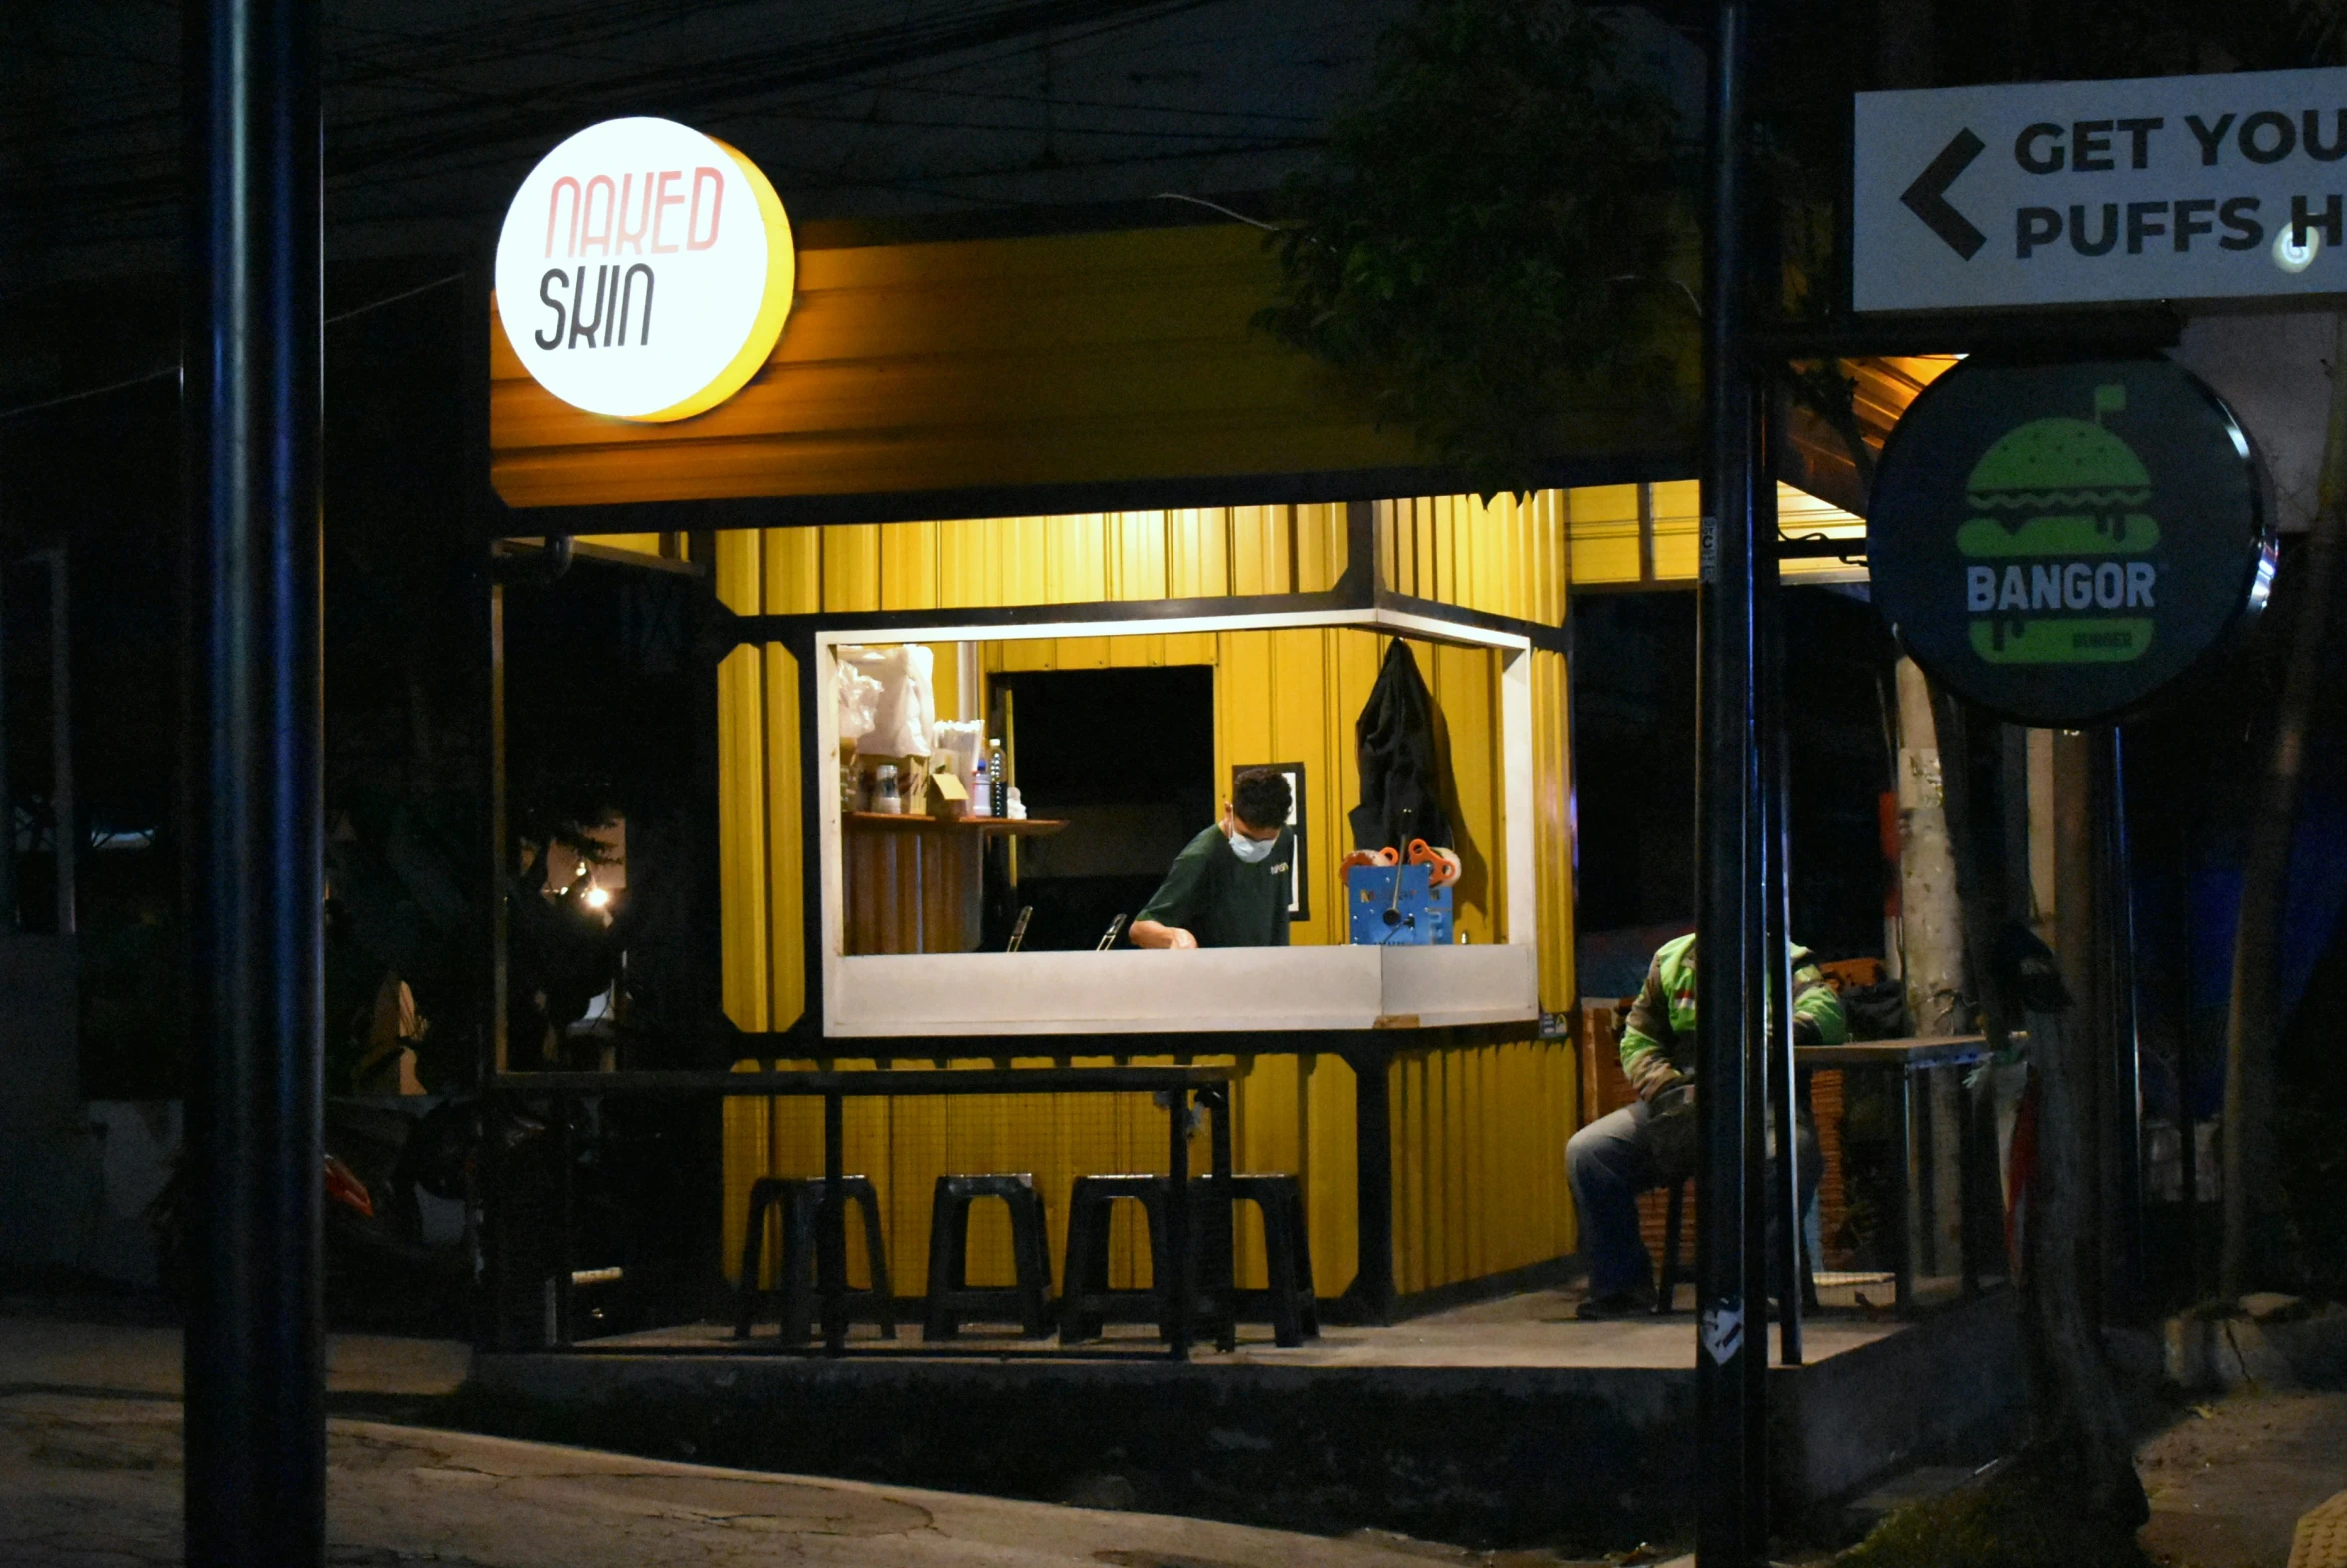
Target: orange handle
point(1442, 864)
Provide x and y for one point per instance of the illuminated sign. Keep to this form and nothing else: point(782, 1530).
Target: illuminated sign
point(2054, 193)
point(2062, 542)
point(644, 269)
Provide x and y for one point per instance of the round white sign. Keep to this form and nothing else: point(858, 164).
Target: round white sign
point(644, 269)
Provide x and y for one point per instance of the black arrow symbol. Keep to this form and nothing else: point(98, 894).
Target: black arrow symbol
point(1927, 197)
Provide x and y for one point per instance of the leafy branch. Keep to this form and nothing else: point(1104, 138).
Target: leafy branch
point(1487, 246)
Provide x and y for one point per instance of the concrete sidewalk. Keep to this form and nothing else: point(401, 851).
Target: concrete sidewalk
point(75, 1355)
point(2232, 1479)
point(91, 1471)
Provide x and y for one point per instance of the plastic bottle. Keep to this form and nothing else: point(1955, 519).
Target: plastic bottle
point(994, 777)
point(981, 789)
point(884, 799)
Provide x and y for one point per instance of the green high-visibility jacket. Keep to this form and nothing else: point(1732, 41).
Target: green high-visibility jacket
point(1658, 1041)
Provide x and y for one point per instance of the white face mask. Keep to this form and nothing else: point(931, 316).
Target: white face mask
point(1254, 851)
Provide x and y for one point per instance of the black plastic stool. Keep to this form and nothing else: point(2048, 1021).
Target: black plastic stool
point(1292, 1305)
point(800, 1278)
point(951, 1296)
point(1086, 1301)
point(1673, 1221)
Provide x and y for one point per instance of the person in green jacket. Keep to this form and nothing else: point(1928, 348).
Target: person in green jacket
point(1652, 1143)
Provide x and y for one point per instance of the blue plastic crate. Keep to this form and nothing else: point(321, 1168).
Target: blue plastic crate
point(1398, 907)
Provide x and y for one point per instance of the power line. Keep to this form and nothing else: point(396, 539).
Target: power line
point(394, 299)
point(436, 109)
point(94, 391)
point(176, 368)
point(483, 116)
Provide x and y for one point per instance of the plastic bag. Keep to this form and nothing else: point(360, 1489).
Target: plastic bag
point(859, 696)
point(904, 709)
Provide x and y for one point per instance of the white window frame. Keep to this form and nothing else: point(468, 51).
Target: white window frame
point(1129, 990)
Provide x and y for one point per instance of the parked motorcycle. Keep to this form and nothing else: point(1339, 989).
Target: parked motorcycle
point(400, 1212)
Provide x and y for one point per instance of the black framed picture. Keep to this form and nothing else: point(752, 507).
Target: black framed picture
point(1299, 899)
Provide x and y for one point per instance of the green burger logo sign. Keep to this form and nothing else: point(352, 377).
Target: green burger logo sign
point(2062, 531)
point(2059, 542)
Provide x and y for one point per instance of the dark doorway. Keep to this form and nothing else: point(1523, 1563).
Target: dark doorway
point(1633, 775)
point(1635, 704)
point(611, 722)
point(1126, 759)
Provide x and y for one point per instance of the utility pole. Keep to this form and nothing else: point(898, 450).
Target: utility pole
point(1731, 976)
point(8, 910)
point(255, 1371)
point(65, 822)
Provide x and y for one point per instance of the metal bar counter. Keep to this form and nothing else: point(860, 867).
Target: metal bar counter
point(1977, 1154)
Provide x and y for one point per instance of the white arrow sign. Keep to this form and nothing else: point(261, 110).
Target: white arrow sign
point(2060, 193)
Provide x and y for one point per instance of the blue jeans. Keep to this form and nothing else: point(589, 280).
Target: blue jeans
point(1610, 1162)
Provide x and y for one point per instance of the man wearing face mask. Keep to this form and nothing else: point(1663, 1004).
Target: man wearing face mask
point(1230, 887)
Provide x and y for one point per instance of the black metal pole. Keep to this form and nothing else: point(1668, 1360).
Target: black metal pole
point(2179, 967)
point(1373, 1289)
point(255, 1373)
point(1776, 1062)
point(64, 817)
point(831, 1232)
point(1176, 1270)
point(1730, 1358)
point(8, 910)
point(2124, 1226)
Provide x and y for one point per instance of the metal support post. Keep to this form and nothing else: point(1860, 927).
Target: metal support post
point(500, 857)
point(65, 828)
point(2180, 993)
point(831, 1231)
point(2123, 1208)
point(1371, 1293)
point(1732, 1528)
point(8, 910)
point(1788, 1276)
point(1177, 1269)
point(255, 1373)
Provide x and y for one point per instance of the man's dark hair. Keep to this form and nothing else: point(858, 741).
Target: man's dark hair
point(1261, 797)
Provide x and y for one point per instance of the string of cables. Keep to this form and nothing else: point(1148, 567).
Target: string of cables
point(173, 370)
point(434, 89)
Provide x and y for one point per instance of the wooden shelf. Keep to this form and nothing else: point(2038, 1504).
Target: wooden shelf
point(913, 883)
point(1001, 827)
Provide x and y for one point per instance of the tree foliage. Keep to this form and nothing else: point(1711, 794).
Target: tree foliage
point(1487, 243)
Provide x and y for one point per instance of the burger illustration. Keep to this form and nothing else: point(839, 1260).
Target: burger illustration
point(2059, 563)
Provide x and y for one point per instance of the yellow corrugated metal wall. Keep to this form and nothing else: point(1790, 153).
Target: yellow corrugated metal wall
point(1601, 524)
point(1104, 357)
point(1505, 557)
point(1478, 1160)
point(1477, 1135)
point(1553, 828)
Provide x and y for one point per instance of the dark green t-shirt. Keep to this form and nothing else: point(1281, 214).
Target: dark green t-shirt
point(1220, 899)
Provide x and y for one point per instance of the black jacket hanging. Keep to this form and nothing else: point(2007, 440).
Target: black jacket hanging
point(1401, 784)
